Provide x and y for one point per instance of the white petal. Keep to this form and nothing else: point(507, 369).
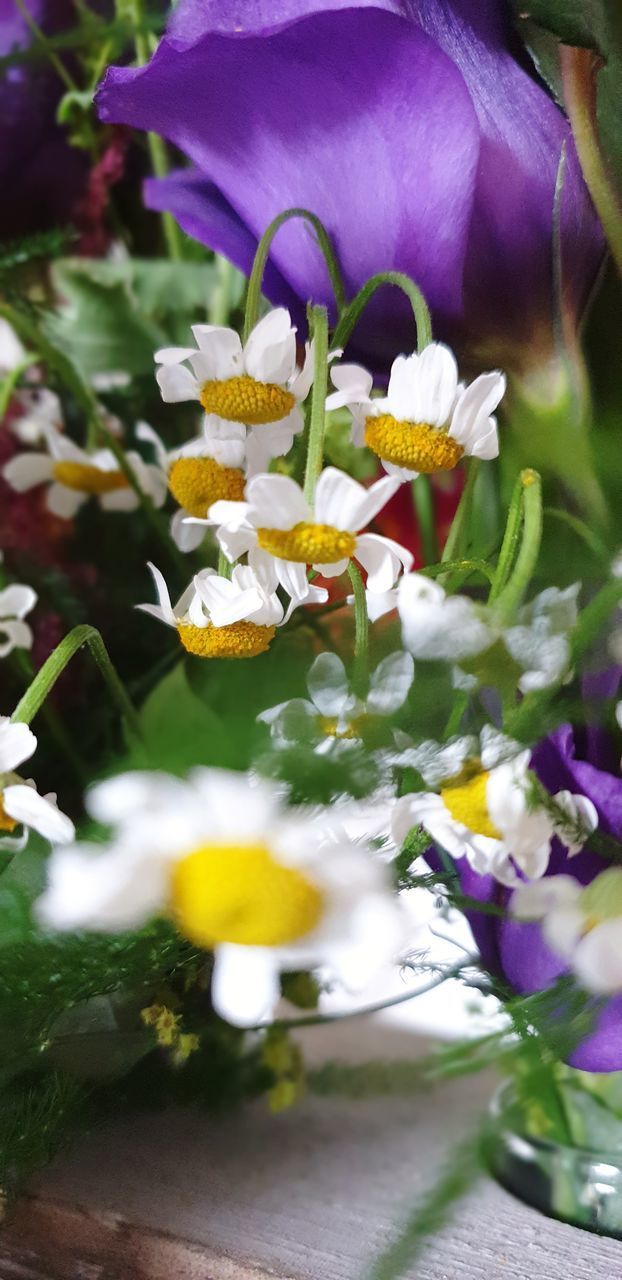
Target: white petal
point(17, 743)
point(149, 436)
point(130, 794)
point(598, 958)
point(24, 804)
point(27, 470)
point(379, 603)
point(186, 536)
point(390, 683)
point(383, 560)
point(17, 635)
point(164, 599)
point(221, 351)
point(302, 380)
point(344, 503)
point(276, 502)
point(173, 355)
point(176, 383)
point(16, 601)
point(353, 383)
point(436, 626)
point(471, 416)
point(63, 502)
point(110, 891)
point(537, 900)
point(272, 440)
point(225, 603)
point(327, 683)
point(270, 352)
point(245, 984)
point(436, 385)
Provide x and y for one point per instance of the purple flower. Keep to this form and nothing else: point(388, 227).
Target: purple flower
point(585, 763)
point(412, 128)
point(41, 175)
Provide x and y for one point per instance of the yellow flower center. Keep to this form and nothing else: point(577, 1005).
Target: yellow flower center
point(243, 399)
point(466, 800)
point(6, 823)
point(196, 483)
point(241, 894)
point(87, 479)
point(308, 543)
point(238, 640)
point(333, 729)
point(413, 445)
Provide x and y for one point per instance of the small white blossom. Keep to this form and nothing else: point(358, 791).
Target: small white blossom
point(20, 803)
point(74, 475)
point(16, 601)
point(582, 924)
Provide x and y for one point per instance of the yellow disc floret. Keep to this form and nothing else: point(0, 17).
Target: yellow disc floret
point(413, 445)
point(308, 543)
point(196, 483)
point(238, 640)
point(467, 803)
point(244, 399)
point(241, 894)
point(86, 479)
point(6, 823)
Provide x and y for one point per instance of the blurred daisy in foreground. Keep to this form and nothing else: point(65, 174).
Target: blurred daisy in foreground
point(583, 924)
point(266, 889)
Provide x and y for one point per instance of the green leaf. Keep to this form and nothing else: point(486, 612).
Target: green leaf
point(180, 731)
point(100, 328)
point(575, 22)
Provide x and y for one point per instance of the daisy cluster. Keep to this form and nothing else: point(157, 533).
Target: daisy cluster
point(267, 886)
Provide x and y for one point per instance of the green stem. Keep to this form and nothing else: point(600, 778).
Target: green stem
point(53, 667)
point(24, 667)
point(9, 384)
point(594, 616)
point(225, 568)
point(255, 281)
point(318, 317)
point(579, 69)
point(510, 542)
point(321, 1019)
point(361, 624)
point(41, 40)
point(459, 566)
point(463, 511)
point(157, 147)
point(512, 594)
point(355, 309)
point(423, 501)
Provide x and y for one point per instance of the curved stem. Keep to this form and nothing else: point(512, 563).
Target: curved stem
point(53, 667)
point(510, 541)
point(579, 69)
point(355, 309)
point(317, 420)
point(512, 594)
point(255, 281)
point(463, 510)
point(8, 385)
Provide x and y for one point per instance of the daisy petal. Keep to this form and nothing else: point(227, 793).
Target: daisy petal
point(17, 743)
point(28, 470)
point(24, 804)
point(176, 383)
point(276, 502)
point(245, 984)
point(327, 683)
point(390, 683)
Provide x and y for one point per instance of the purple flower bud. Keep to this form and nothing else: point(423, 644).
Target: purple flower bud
point(412, 128)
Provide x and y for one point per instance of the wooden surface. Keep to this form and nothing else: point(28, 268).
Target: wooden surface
point(311, 1194)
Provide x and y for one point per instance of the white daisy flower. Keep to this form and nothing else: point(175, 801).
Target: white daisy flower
point(258, 385)
point(540, 641)
point(428, 420)
point(266, 889)
point(20, 802)
point(39, 411)
point(439, 627)
point(277, 519)
point(210, 467)
point(485, 809)
point(334, 716)
point(221, 617)
point(16, 601)
point(75, 475)
point(582, 924)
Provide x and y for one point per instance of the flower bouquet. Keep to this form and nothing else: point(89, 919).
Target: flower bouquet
point(315, 651)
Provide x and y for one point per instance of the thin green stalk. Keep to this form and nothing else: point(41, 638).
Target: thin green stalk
point(510, 542)
point(317, 419)
point(157, 147)
point(353, 312)
point(224, 566)
point(9, 384)
point(22, 664)
point(53, 667)
point(423, 502)
point(463, 511)
point(361, 623)
point(41, 40)
point(511, 596)
point(459, 566)
point(255, 282)
point(579, 68)
point(594, 616)
point(320, 1019)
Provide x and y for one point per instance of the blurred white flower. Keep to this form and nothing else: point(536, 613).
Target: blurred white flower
point(582, 924)
point(267, 889)
point(20, 803)
point(74, 475)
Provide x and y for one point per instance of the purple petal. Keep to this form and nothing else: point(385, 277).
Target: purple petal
point(305, 118)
